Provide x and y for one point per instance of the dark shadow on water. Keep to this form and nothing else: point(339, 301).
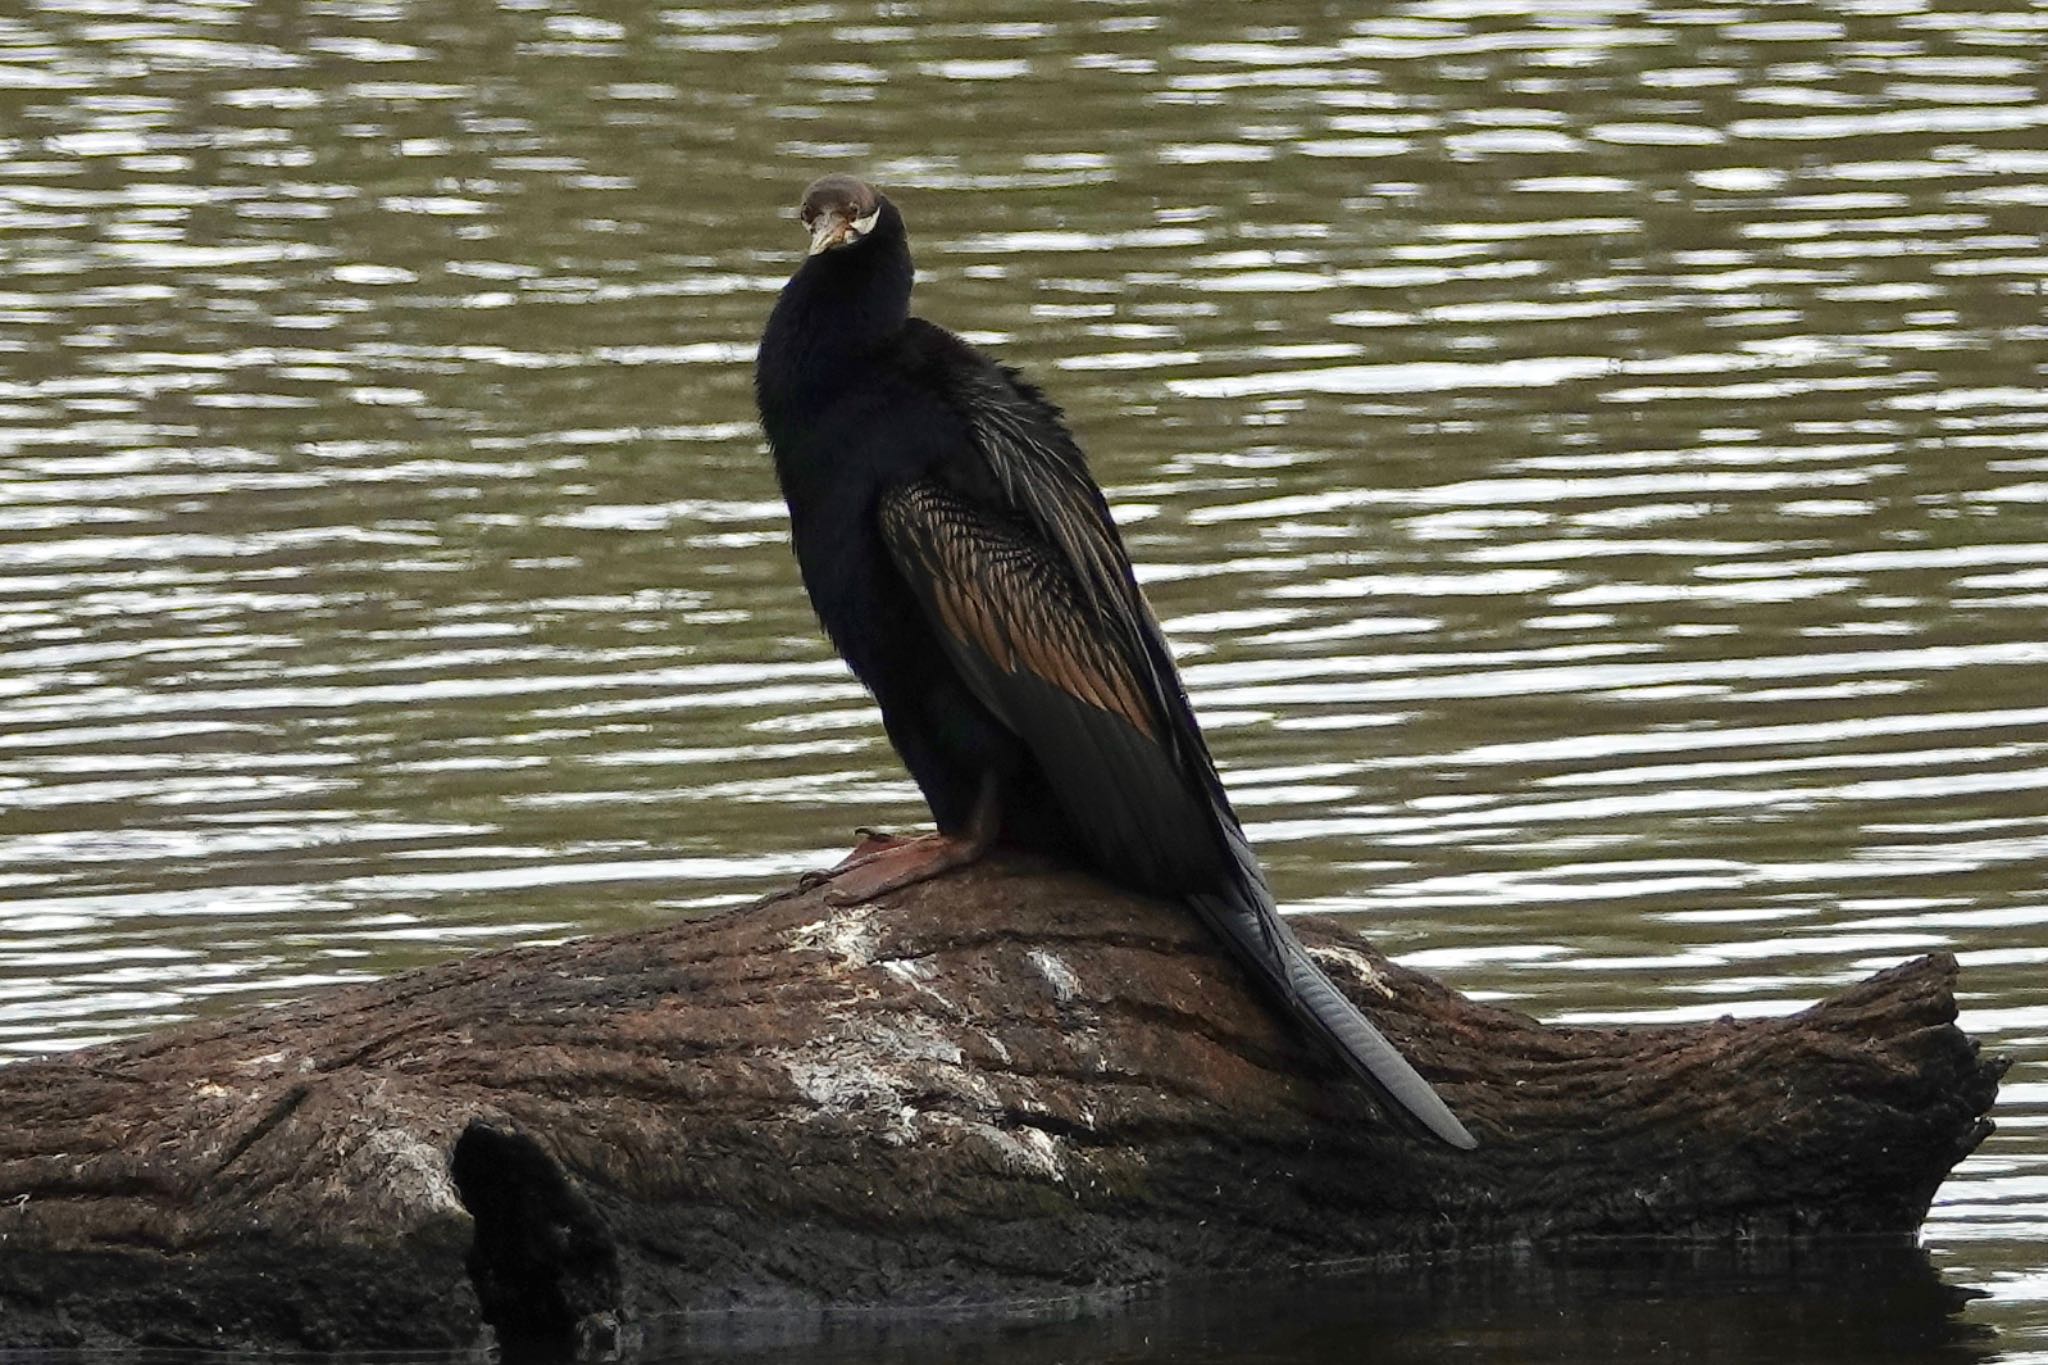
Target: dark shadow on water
point(1802, 1305)
point(1821, 1304)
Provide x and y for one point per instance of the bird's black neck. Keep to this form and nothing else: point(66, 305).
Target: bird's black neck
point(835, 311)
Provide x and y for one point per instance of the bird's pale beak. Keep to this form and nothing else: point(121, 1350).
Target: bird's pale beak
point(833, 228)
point(829, 230)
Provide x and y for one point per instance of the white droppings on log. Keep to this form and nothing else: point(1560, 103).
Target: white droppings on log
point(875, 1076)
point(1058, 975)
point(1031, 1150)
point(838, 1086)
point(1361, 966)
point(910, 1038)
point(1023, 1150)
point(413, 1173)
point(848, 935)
point(876, 1073)
point(914, 972)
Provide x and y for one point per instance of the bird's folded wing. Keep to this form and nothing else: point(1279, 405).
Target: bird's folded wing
point(1016, 626)
point(1063, 679)
point(1044, 477)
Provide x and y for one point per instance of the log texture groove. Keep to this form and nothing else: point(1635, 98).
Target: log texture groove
point(1011, 1083)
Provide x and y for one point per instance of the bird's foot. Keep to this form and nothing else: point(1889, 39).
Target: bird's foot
point(873, 844)
point(882, 862)
point(903, 862)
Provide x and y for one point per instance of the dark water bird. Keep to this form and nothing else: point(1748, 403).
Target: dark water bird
point(965, 564)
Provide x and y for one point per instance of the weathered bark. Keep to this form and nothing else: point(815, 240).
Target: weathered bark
point(1012, 1082)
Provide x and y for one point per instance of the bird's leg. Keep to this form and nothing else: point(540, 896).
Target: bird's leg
point(905, 862)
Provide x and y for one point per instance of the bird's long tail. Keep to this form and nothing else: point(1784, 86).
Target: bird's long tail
point(1247, 920)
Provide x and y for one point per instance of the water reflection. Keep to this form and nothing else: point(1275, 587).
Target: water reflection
point(1593, 462)
point(1806, 1305)
point(1813, 1304)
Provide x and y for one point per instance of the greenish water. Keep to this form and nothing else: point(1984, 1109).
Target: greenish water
point(1593, 461)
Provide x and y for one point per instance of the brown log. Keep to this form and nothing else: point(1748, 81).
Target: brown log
point(1011, 1083)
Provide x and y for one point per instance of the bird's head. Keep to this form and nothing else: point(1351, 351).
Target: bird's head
point(838, 211)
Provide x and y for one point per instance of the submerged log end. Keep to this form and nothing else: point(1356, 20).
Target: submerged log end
point(1843, 1118)
point(1009, 1083)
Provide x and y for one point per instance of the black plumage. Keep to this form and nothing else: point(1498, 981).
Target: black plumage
point(964, 563)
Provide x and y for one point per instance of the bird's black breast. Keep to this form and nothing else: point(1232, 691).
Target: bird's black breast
point(839, 449)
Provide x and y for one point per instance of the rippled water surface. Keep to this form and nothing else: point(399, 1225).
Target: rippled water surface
point(1592, 459)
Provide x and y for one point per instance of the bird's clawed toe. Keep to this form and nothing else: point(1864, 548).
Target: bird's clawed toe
point(901, 863)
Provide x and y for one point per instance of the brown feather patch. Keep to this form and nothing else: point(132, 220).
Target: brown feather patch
point(997, 591)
